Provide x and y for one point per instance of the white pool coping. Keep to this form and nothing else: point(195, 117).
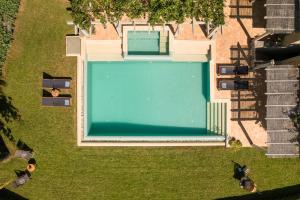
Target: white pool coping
point(84, 140)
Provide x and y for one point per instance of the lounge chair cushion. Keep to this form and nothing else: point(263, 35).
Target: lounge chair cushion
point(233, 85)
point(232, 70)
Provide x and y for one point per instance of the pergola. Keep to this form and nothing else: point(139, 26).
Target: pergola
point(282, 83)
point(280, 16)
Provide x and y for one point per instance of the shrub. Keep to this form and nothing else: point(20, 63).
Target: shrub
point(158, 11)
point(234, 143)
point(8, 12)
point(295, 116)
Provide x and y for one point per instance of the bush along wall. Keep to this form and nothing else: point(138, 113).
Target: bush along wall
point(158, 11)
point(8, 13)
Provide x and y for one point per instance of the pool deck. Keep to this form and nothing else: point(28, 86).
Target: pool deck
point(191, 40)
point(236, 32)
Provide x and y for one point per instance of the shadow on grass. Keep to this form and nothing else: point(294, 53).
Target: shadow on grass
point(4, 152)
point(290, 192)
point(6, 194)
point(20, 173)
point(238, 172)
point(48, 76)
point(8, 113)
point(23, 146)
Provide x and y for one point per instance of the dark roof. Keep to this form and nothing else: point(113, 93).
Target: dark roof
point(280, 16)
point(282, 87)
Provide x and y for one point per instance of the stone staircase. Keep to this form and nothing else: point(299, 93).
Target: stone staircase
point(217, 118)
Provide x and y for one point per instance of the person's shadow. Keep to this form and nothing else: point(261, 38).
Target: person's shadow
point(238, 171)
point(20, 173)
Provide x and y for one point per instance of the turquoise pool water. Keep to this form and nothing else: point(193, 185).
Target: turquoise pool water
point(141, 98)
point(143, 43)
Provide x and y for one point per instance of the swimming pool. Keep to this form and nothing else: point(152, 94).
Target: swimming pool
point(146, 98)
point(147, 43)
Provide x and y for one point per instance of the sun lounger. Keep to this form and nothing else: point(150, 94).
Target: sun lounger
point(228, 84)
point(232, 70)
point(23, 154)
point(56, 101)
point(57, 83)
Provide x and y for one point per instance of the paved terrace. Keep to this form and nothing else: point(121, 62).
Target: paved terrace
point(243, 22)
point(232, 46)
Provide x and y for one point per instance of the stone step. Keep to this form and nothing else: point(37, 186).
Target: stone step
point(217, 118)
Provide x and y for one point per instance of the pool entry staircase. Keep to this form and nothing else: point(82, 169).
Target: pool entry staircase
point(217, 119)
point(164, 42)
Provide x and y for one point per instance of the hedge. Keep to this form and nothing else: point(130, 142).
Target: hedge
point(8, 12)
point(158, 11)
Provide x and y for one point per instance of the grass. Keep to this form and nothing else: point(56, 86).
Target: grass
point(66, 171)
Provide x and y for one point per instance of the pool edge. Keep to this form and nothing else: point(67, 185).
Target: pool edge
point(81, 133)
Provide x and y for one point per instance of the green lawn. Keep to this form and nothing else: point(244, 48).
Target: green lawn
point(66, 171)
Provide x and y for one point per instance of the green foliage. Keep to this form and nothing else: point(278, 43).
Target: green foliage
point(158, 11)
point(163, 11)
point(135, 9)
point(295, 116)
point(8, 12)
point(81, 12)
point(209, 11)
point(235, 144)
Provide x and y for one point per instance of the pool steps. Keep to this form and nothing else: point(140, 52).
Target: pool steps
point(163, 42)
point(217, 118)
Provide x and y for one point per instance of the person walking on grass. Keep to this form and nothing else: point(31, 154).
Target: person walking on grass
point(240, 171)
point(247, 184)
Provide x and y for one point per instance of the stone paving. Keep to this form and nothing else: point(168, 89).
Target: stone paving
point(238, 31)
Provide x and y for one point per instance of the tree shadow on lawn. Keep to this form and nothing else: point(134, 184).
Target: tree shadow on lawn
point(4, 152)
point(20, 173)
point(48, 76)
point(6, 194)
point(23, 146)
point(289, 192)
point(8, 113)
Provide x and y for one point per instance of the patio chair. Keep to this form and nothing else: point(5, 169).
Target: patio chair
point(27, 155)
point(228, 84)
point(57, 83)
point(232, 70)
point(56, 101)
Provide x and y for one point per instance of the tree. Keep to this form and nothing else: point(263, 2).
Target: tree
point(158, 11)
